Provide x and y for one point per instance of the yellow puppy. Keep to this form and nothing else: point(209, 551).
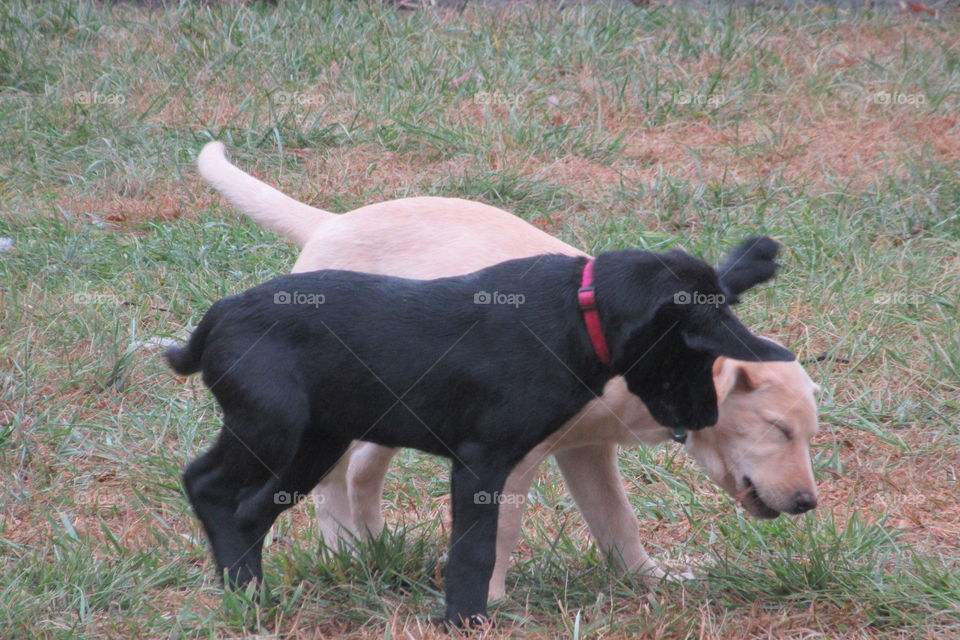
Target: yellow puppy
point(759, 450)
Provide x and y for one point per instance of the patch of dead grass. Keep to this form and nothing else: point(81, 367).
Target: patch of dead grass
point(160, 201)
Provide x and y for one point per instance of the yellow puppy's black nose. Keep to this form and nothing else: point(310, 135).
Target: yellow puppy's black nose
point(803, 501)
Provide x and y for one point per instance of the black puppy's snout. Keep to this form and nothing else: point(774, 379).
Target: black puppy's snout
point(803, 501)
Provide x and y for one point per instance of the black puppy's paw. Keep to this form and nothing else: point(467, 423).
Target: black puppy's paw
point(475, 622)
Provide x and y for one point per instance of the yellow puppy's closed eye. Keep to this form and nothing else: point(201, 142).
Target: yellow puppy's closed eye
point(782, 428)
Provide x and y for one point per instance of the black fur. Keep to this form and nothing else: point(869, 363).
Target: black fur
point(752, 262)
point(422, 364)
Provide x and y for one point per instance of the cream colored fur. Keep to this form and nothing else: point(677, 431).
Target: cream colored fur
point(428, 237)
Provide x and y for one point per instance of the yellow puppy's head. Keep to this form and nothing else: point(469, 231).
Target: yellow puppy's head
point(759, 450)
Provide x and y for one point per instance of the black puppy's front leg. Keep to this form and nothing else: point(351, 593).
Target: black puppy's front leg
point(475, 491)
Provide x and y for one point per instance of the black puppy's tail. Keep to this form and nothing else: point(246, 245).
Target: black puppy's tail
point(752, 262)
point(186, 360)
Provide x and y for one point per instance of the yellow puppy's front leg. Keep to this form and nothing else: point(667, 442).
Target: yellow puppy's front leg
point(593, 479)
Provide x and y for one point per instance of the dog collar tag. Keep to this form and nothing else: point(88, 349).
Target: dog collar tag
point(587, 299)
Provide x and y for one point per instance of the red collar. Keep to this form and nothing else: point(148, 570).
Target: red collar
point(586, 296)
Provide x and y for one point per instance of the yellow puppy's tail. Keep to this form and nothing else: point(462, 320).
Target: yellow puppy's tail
point(261, 202)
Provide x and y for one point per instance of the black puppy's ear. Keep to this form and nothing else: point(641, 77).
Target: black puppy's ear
point(752, 262)
point(724, 335)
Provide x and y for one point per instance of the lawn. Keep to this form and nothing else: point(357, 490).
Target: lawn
point(609, 125)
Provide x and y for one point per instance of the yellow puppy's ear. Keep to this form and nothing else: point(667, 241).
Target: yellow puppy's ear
point(744, 381)
point(724, 376)
point(731, 376)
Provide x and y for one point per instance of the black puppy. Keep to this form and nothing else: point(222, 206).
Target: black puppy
point(479, 368)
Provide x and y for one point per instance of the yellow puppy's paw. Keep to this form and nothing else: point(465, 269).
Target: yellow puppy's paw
point(654, 574)
point(679, 576)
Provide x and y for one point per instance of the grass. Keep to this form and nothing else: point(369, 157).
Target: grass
point(616, 127)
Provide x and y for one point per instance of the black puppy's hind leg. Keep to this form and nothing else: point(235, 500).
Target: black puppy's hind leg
point(315, 455)
point(213, 483)
point(476, 487)
point(250, 455)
